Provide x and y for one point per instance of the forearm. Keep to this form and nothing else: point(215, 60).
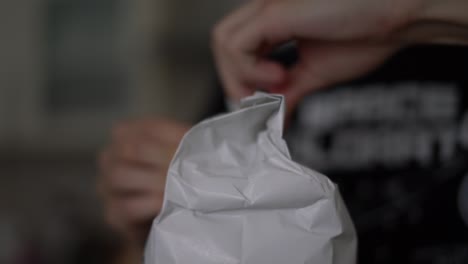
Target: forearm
point(449, 11)
point(438, 21)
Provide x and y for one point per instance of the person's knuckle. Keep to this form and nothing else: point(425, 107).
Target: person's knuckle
point(101, 190)
point(102, 158)
point(219, 35)
point(118, 130)
point(156, 129)
point(264, 4)
point(131, 211)
point(113, 219)
point(119, 170)
point(148, 124)
point(114, 179)
point(270, 11)
point(235, 43)
point(269, 5)
point(127, 149)
point(231, 48)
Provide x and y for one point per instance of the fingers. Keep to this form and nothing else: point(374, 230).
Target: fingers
point(142, 152)
point(132, 193)
point(237, 44)
point(162, 130)
point(326, 63)
point(122, 178)
point(148, 142)
point(221, 38)
point(126, 214)
point(132, 217)
point(133, 172)
point(328, 53)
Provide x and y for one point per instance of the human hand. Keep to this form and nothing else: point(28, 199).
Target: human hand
point(337, 40)
point(133, 171)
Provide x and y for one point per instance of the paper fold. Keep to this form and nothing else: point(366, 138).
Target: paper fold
point(233, 195)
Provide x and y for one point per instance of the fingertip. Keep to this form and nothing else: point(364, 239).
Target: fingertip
point(119, 131)
point(265, 75)
point(272, 71)
point(280, 87)
point(101, 157)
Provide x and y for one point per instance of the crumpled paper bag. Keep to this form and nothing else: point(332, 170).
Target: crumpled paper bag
point(234, 196)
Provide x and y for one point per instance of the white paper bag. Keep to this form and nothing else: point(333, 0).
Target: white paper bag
point(234, 196)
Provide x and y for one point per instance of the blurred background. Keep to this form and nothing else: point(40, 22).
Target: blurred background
point(396, 141)
point(68, 71)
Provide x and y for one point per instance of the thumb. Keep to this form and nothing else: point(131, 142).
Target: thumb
point(301, 80)
point(324, 64)
point(272, 24)
point(298, 90)
point(267, 28)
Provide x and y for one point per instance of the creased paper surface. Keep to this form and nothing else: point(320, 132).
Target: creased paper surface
point(234, 196)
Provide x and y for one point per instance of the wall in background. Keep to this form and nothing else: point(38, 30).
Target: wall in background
point(68, 71)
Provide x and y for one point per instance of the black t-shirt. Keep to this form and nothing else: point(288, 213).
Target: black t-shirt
point(396, 143)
